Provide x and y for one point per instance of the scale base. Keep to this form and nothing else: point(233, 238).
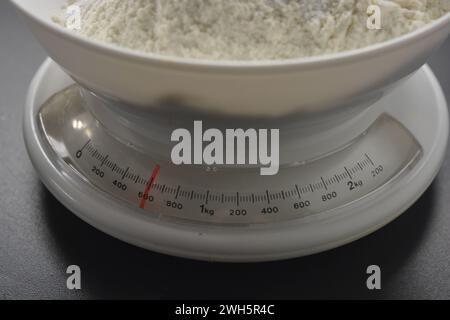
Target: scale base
point(418, 104)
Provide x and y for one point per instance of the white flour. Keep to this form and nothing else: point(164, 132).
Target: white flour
point(250, 29)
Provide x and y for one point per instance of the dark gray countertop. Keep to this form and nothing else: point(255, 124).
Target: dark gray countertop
point(39, 238)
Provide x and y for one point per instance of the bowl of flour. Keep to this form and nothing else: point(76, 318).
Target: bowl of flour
point(241, 57)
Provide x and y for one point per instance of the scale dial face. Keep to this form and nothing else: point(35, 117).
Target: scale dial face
point(239, 196)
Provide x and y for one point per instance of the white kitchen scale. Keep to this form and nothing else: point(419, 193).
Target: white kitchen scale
point(338, 181)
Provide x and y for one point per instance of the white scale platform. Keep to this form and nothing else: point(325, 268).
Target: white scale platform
point(234, 215)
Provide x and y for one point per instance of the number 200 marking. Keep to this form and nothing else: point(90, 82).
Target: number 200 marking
point(377, 171)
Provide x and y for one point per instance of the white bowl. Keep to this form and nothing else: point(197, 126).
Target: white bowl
point(262, 88)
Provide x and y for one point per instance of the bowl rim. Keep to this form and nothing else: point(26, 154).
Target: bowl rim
point(324, 60)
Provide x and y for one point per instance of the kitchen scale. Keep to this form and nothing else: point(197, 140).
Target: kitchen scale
point(338, 181)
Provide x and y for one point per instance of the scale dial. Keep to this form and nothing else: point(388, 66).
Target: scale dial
point(224, 195)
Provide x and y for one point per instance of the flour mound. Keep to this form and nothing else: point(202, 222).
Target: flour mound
point(250, 29)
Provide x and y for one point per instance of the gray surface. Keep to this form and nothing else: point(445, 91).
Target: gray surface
point(39, 238)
